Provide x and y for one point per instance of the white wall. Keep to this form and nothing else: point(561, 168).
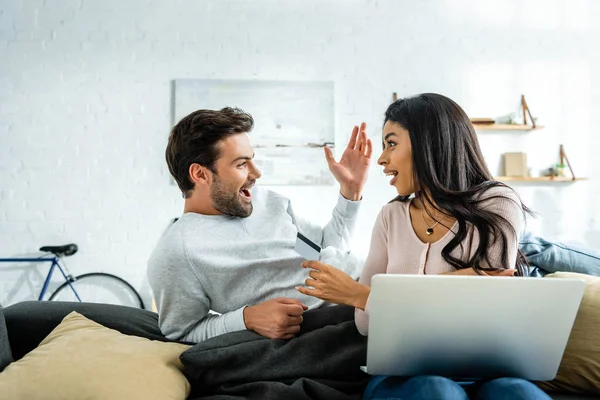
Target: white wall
point(85, 103)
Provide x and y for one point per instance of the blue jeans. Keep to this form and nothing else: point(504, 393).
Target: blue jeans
point(427, 387)
point(554, 256)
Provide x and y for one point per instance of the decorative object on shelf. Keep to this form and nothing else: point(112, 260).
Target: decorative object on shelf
point(395, 96)
point(509, 119)
point(515, 164)
point(482, 121)
point(552, 172)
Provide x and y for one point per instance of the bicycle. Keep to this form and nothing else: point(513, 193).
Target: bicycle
point(123, 293)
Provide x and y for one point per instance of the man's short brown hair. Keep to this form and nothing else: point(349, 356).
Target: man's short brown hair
point(195, 139)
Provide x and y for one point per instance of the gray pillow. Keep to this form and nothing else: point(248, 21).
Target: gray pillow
point(5, 354)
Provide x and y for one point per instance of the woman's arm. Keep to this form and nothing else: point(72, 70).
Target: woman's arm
point(331, 284)
point(507, 205)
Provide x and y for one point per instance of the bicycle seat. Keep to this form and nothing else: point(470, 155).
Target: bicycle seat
point(66, 250)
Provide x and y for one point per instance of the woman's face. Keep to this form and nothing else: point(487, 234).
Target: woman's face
point(396, 158)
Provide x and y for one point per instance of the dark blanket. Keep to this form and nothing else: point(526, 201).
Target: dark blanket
point(322, 362)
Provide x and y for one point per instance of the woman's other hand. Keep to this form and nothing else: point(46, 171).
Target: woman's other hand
point(330, 284)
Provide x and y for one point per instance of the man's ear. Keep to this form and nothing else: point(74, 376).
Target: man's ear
point(199, 174)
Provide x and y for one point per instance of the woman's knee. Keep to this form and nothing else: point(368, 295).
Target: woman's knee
point(435, 387)
point(510, 389)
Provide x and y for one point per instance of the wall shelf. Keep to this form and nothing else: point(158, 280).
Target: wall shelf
point(506, 127)
point(538, 179)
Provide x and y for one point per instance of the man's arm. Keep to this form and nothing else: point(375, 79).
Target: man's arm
point(183, 306)
point(337, 232)
point(214, 325)
point(276, 319)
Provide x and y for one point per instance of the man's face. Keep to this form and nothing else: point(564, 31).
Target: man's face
point(236, 174)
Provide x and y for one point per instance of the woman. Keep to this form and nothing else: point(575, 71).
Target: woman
point(450, 217)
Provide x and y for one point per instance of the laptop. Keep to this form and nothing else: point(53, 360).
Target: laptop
point(470, 327)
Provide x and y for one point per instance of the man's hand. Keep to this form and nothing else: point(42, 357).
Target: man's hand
point(353, 169)
point(471, 271)
point(331, 284)
point(276, 319)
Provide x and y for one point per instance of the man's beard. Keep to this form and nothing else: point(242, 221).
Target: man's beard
point(227, 200)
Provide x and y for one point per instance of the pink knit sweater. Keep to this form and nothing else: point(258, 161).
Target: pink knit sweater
point(396, 249)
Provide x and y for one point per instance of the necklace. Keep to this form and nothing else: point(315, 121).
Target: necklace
point(429, 230)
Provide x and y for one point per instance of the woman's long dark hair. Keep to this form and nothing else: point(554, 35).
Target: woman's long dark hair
point(451, 175)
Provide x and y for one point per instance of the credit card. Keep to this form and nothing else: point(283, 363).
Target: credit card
point(307, 248)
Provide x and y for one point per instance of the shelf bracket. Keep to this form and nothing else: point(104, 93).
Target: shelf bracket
point(563, 158)
point(526, 111)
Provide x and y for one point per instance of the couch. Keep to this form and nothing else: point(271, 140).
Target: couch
point(28, 323)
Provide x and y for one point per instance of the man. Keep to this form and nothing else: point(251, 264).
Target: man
point(232, 250)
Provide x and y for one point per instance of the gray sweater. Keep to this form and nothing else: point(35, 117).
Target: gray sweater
point(220, 264)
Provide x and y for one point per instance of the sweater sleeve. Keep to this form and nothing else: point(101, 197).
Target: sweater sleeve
point(338, 231)
point(376, 263)
point(183, 302)
point(505, 203)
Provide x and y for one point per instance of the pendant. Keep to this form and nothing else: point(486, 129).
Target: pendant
point(429, 231)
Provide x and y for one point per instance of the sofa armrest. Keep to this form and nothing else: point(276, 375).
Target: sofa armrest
point(29, 322)
point(5, 352)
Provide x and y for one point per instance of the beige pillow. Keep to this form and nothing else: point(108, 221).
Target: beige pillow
point(81, 359)
point(579, 370)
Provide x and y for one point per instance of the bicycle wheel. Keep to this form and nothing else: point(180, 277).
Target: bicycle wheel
point(99, 287)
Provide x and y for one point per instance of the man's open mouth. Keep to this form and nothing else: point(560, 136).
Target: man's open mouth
point(245, 193)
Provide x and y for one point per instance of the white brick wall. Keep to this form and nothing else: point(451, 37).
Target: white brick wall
point(85, 107)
